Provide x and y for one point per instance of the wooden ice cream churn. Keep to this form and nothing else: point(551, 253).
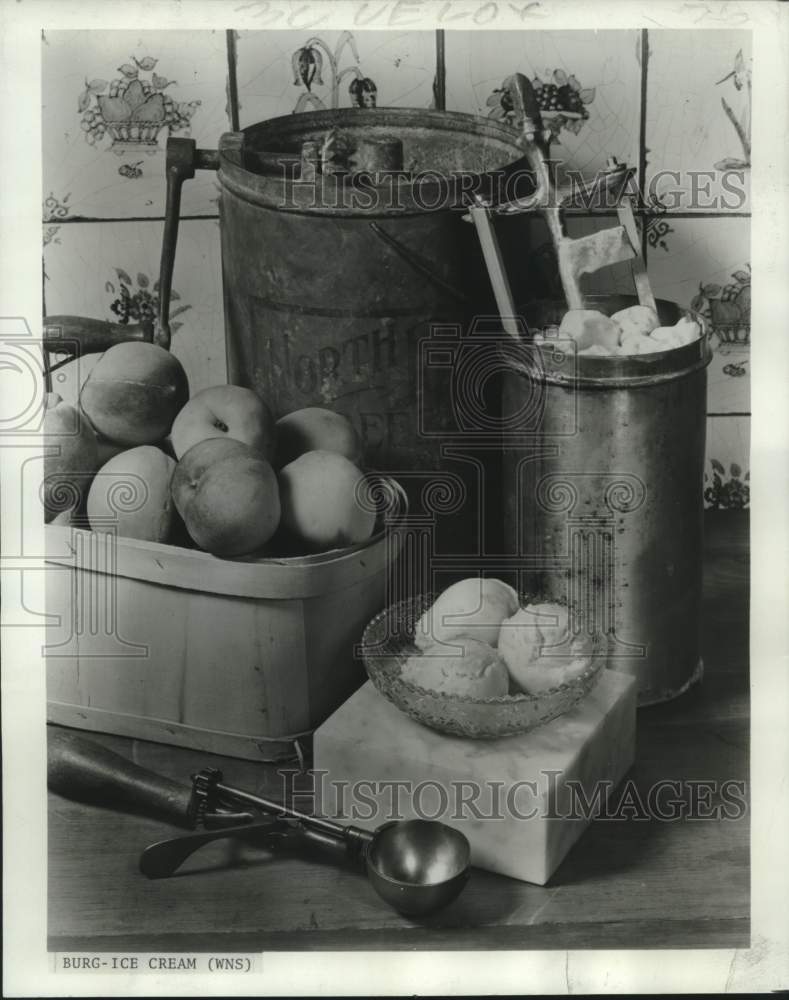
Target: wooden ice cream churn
point(342, 250)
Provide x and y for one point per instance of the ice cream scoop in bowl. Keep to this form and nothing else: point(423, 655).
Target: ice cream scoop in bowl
point(388, 648)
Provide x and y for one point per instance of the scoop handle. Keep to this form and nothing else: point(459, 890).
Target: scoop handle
point(354, 842)
point(80, 769)
point(62, 334)
point(524, 102)
point(162, 859)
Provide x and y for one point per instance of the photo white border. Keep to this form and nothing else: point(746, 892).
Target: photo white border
point(28, 969)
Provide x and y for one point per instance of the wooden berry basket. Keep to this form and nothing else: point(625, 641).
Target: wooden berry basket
point(242, 658)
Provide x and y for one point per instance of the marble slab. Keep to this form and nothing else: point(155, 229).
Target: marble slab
point(520, 801)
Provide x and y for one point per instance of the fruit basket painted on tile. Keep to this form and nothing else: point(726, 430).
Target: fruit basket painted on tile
point(132, 109)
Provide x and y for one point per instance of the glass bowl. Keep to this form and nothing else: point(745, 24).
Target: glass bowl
point(388, 641)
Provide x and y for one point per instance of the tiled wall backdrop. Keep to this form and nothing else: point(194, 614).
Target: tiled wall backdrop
point(664, 101)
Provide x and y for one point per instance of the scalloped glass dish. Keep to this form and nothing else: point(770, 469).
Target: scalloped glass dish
point(387, 643)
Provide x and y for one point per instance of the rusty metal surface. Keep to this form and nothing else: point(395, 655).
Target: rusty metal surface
point(441, 151)
point(330, 303)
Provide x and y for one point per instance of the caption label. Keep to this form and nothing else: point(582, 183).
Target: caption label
point(108, 962)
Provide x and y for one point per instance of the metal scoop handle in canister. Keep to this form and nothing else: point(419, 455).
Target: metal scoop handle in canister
point(574, 256)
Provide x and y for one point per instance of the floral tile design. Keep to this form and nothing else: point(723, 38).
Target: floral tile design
point(727, 464)
point(110, 101)
point(110, 271)
point(281, 72)
point(590, 93)
point(698, 117)
point(706, 266)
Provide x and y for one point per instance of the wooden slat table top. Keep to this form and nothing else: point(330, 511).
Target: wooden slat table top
point(626, 884)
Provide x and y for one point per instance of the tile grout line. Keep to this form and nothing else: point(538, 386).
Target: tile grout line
point(642, 138)
point(232, 79)
point(92, 220)
point(642, 213)
point(700, 214)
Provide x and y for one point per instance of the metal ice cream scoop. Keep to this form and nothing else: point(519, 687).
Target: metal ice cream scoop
point(417, 866)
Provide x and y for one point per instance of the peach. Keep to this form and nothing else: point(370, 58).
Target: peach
point(70, 459)
point(225, 410)
point(320, 509)
point(209, 451)
point(108, 449)
point(227, 495)
point(131, 493)
point(316, 429)
point(133, 393)
point(68, 380)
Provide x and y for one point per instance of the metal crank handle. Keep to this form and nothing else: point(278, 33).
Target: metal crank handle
point(183, 159)
point(80, 769)
point(164, 858)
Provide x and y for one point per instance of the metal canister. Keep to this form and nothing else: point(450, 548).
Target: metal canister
point(602, 493)
point(339, 278)
point(331, 282)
